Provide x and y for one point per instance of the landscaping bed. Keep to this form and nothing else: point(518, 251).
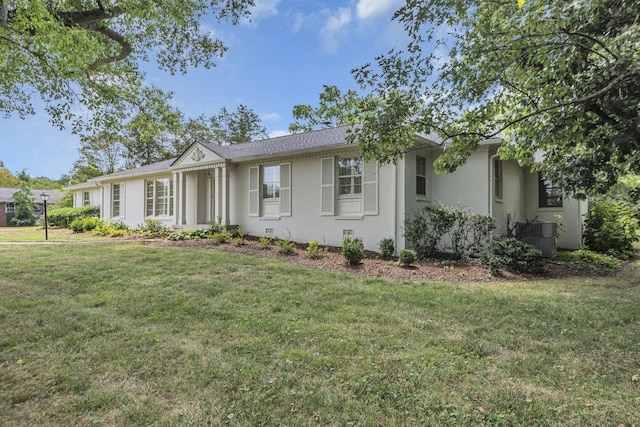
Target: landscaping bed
point(374, 266)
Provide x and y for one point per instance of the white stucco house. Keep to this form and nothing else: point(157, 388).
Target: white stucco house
point(315, 186)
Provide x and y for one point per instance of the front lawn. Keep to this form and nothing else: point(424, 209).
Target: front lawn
point(37, 234)
point(128, 333)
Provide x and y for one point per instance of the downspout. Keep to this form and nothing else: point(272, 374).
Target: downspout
point(101, 198)
point(395, 204)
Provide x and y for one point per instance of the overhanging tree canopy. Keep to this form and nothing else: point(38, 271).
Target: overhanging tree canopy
point(85, 53)
point(550, 76)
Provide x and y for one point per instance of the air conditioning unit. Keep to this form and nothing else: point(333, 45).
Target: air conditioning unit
point(540, 235)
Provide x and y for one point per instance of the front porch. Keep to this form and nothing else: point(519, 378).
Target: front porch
point(201, 196)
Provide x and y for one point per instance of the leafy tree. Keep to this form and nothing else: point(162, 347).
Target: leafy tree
point(626, 192)
point(549, 76)
point(198, 129)
point(87, 52)
point(83, 172)
point(24, 177)
point(7, 179)
point(45, 183)
point(148, 141)
point(25, 207)
point(335, 109)
point(103, 151)
point(242, 125)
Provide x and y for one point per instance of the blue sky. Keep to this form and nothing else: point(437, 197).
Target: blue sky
point(281, 58)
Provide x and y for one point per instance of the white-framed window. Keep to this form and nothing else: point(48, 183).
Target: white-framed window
point(549, 194)
point(349, 187)
point(86, 198)
point(350, 176)
point(115, 200)
point(9, 208)
point(497, 179)
point(421, 176)
point(159, 197)
point(271, 182)
point(270, 190)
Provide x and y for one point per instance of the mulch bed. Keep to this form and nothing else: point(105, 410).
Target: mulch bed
point(374, 266)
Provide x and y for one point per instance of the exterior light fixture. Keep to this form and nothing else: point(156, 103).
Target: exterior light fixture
point(45, 197)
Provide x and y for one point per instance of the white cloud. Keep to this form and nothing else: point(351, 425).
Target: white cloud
point(367, 9)
point(262, 9)
point(271, 116)
point(334, 29)
point(265, 8)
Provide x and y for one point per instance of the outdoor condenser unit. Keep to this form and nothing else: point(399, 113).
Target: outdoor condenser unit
point(540, 235)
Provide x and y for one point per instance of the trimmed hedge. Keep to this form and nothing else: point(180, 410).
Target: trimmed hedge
point(65, 216)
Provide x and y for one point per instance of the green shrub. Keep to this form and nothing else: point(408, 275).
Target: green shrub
point(611, 228)
point(90, 223)
point(448, 229)
point(76, 225)
point(237, 232)
point(387, 247)
point(314, 251)
point(152, 228)
point(352, 250)
point(265, 242)
point(222, 237)
point(111, 229)
point(116, 232)
point(179, 235)
point(598, 259)
point(239, 241)
point(216, 228)
point(407, 257)
point(512, 254)
point(285, 246)
point(65, 216)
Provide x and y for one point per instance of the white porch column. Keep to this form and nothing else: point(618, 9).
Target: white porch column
point(209, 208)
point(191, 199)
point(179, 197)
point(221, 193)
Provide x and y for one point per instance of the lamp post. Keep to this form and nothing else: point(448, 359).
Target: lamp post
point(45, 197)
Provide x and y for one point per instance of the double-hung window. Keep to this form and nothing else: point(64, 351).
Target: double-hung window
point(497, 179)
point(271, 182)
point(115, 200)
point(421, 176)
point(9, 208)
point(159, 197)
point(86, 200)
point(270, 190)
point(350, 176)
point(349, 187)
point(549, 194)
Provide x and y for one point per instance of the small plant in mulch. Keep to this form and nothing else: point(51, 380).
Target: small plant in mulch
point(266, 242)
point(353, 250)
point(314, 251)
point(387, 248)
point(286, 246)
point(239, 241)
point(407, 257)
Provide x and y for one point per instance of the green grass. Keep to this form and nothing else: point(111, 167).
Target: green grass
point(37, 234)
point(128, 334)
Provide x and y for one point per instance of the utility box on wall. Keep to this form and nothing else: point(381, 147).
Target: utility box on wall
point(540, 235)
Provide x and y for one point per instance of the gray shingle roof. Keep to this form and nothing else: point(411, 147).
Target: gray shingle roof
point(284, 144)
point(153, 167)
point(288, 144)
point(6, 195)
